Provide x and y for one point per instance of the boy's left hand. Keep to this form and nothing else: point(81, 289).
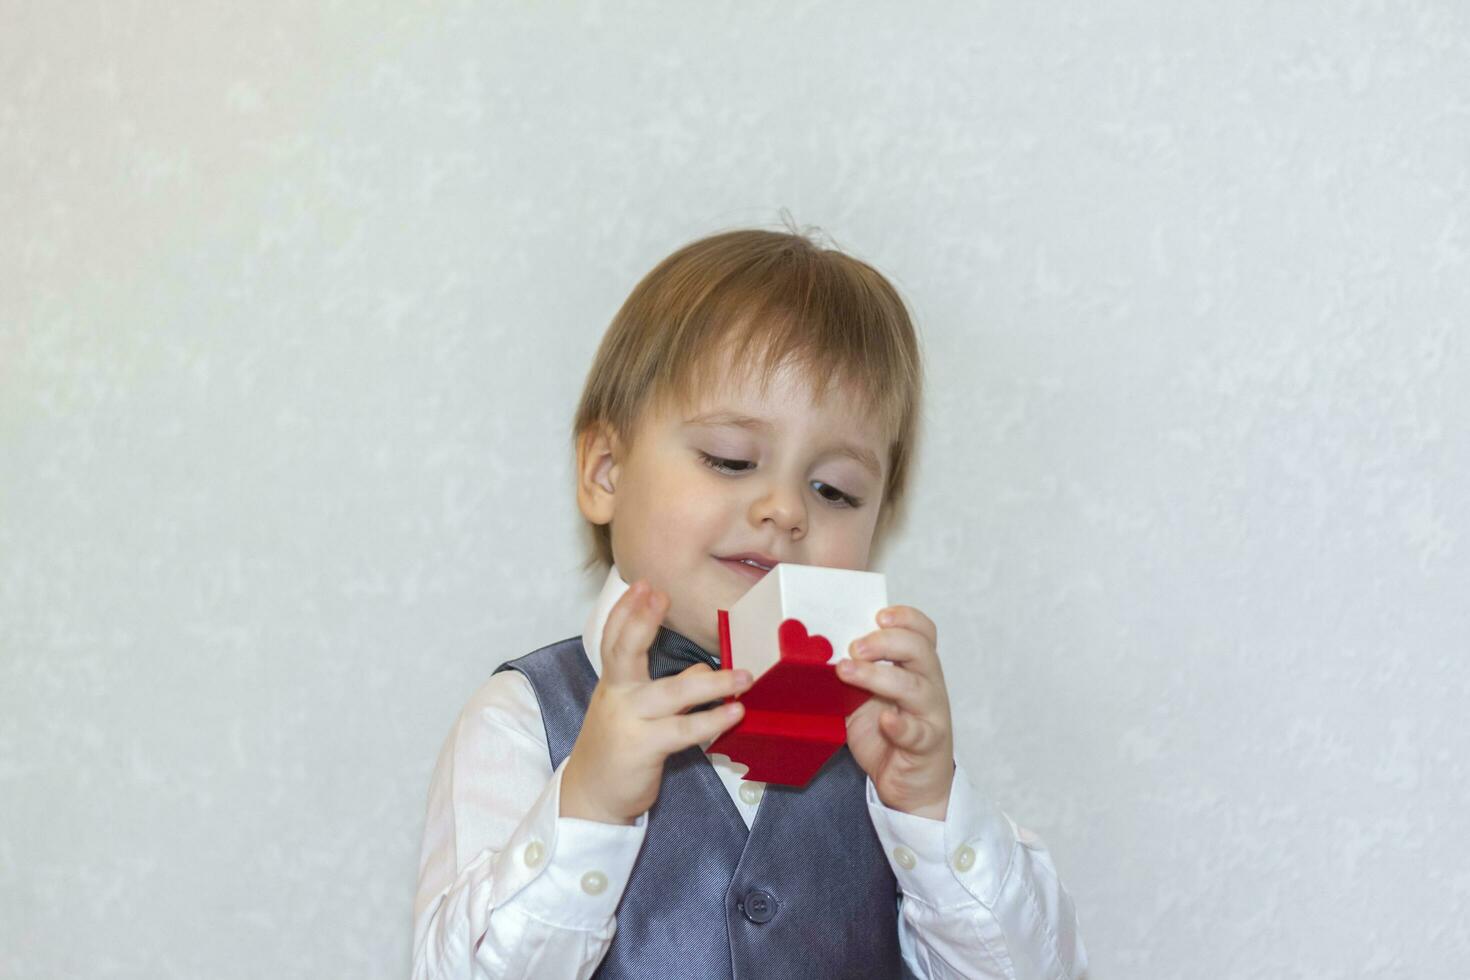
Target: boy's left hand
point(901, 736)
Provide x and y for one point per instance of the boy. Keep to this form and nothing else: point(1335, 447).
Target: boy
point(754, 401)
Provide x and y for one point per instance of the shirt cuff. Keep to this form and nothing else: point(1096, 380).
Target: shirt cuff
point(955, 861)
point(564, 871)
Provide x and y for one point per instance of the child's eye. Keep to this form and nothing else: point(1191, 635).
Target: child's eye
point(836, 496)
point(725, 465)
point(825, 490)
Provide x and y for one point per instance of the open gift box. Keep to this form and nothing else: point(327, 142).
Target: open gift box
point(790, 630)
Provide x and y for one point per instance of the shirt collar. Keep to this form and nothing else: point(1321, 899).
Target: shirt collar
point(612, 590)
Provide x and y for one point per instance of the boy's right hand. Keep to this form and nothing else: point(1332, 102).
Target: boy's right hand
point(633, 723)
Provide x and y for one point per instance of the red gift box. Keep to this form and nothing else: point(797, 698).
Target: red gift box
point(795, 712)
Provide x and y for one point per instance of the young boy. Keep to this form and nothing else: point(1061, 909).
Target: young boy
point(754, 401)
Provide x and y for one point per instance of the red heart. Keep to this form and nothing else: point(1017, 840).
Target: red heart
point(798, 646)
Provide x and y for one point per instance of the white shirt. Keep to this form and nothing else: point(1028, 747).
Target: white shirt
point(509, 889)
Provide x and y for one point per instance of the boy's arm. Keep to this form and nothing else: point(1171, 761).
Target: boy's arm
point(507, 888)
point(981, 897)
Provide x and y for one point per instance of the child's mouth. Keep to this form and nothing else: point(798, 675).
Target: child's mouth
point(747, 568)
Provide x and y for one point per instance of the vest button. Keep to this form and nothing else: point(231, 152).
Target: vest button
point(759, 907)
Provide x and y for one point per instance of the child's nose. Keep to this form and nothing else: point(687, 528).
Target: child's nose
point(784, 507)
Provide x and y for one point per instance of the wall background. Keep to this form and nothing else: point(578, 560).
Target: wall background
point(295, 301)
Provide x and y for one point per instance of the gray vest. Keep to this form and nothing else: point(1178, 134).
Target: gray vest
point(805, 892)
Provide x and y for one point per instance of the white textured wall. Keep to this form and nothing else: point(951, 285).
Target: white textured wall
point(295, 301)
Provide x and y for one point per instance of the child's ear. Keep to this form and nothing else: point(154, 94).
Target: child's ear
point(598, 457)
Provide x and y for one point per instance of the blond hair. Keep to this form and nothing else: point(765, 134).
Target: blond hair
point(834, 318)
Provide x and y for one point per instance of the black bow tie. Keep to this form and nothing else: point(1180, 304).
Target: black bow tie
point(672, 652)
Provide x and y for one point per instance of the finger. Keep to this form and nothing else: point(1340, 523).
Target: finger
point(909, 618)
point(613, 667)
point(904, 730)
point(693, 686)
point(903, 687)
point(627, 637)
point(682, 731)
point(898, 645)
point(613, 628)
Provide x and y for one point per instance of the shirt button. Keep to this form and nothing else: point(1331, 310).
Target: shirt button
point(964, 858)
point(904, 857)
point(594, 882)
point(533, 853)
point(750, 793)
point(758, 906)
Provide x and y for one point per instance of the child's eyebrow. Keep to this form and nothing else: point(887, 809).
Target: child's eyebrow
point(864, 457)
point(730, 418)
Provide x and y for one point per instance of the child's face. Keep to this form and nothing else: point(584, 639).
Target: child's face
point(700, 486)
